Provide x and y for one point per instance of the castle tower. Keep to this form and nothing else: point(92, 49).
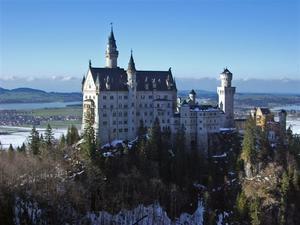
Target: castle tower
point(131, 81)
point(226, 97)
point(131, 71)
point(111, 53)
point(192, 96)
point(282, 120)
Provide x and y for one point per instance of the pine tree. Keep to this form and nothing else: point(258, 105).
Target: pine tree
point(49, 137)
point(72, 135)
point(34, 141)
point(23, 148)
point(11, 148)
point(62, 141)
point(249, 149)
point(249, 142)
point(255, 211)
point(241, 206)
point(285, 186)
point(154, 142)
point(141, 130)
point(89, 140)
point(180, 156)
point(265, 152)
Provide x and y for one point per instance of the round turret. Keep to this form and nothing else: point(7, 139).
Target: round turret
point(192, 96)
point(226, 77)
point(111, 53)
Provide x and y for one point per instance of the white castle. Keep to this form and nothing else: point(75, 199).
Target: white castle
point(119, 99)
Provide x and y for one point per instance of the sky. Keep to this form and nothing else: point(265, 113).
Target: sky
point(197, 38)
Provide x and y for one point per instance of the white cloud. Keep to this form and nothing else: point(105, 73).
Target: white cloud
point(8, 78)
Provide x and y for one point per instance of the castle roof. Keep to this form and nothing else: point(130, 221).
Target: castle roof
point(264, 110)
point(156, 80)
point(193, 92)
point(226, 71)
point(115, 79)
point(110, 79)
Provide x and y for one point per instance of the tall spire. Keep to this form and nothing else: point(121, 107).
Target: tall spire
point(131, 64)
point(111, 38)
point(111, 53)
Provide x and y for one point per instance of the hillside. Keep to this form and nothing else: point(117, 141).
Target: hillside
point(29, 95)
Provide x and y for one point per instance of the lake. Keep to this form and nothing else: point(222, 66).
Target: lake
point(24, 106)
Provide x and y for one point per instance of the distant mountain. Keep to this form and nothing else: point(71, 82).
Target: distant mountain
point(291, 86)
point(2, 90)
point(29, 95)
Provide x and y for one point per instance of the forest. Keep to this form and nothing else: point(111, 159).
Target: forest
point(244, 177)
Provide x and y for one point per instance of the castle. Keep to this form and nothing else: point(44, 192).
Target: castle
point(119, 99)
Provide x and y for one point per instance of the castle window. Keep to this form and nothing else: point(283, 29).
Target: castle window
point(121, 130)
point(114, 122)
point(111, 106)
point(104, 123)
point(166, 97)
point(132, 104)
point(125, 97)
point(125, 130)
point(169, 104)
point(120, 105)
point(114, 114)
point(111, 97)
point(125, 121)
point(104, 97)
point(151, 113)
point(125, 106)
point(168, 121)
point(104, 106)
point(141, 105)
point(125, 113)
point(120, 113)
point(104, 114)
point(146, 105)
point(150, 96)
point(120, 97)
point(157, 105)
point(120, 122)
point(114, 130)
point(145, 113)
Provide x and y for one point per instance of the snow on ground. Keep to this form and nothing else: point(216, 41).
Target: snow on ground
point(21, 134)
point(221, 217)
point(220, 156)
point(114, 143)
point(152, 214)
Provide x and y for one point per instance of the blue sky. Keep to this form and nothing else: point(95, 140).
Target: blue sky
point(197, 38)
